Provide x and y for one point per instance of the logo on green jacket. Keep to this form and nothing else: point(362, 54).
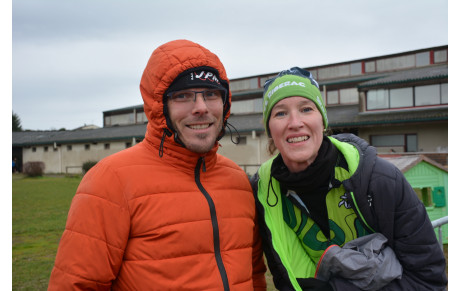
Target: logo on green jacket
point(344, 224)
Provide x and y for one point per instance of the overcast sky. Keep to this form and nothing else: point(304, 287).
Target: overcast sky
point(74, 59)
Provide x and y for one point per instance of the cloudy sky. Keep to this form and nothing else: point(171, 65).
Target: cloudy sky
point(74, 59)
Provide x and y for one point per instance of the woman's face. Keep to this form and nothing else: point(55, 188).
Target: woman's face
point(296, 127)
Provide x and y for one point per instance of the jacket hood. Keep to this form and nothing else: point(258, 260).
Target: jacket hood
point(166, 63)
point(366, 159)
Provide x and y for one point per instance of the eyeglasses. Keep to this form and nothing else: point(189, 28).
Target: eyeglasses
point(187, 96)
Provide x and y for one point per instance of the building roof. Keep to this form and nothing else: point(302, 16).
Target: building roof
point(87, 126)
point(413, 75)
point(406, 162)
point(27, 138)
point(129, 108)
point(349, 115)
point(272, 74)
point(339, 116)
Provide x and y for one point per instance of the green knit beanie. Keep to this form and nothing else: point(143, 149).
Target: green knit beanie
point(289, 83)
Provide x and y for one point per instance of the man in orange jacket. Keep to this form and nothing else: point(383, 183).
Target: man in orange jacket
point(168, 213)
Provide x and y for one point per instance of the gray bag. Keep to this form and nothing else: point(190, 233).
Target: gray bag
point(366, 262)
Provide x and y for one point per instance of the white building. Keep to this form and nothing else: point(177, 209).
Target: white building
point(398, 103)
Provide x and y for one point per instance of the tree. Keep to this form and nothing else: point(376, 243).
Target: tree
point(16, 123)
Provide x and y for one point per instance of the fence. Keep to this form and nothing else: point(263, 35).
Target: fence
point(437, 224)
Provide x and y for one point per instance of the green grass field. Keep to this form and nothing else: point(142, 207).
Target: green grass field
point(39, 212)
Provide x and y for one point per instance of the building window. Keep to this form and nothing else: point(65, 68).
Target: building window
point(332, 97)
point(356, 69)
point(387, 140)
point(69, 147)
point(426, 95)
point(349, 96)
point(440, 56)
point(422, 59)
point(128, 145)
point(444, 91)
point(407, 142)
point(377, 99)
point(45, 149)
point(107, 120)
point(411, 143)
point(107, 146)
point(247, 106)
point(341, 96)
point(369, 67)
point(140, 117)
point(424, 194)
point(241, 140)
point(34, 149)
point(87, 147)
point(401, 97)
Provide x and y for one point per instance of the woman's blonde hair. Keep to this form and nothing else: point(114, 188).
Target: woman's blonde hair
point(271, 147)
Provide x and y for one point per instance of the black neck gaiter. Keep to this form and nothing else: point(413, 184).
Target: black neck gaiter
point(315, 177)
point(311, 184)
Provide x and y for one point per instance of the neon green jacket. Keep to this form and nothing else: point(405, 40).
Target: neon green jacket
point(374, 197)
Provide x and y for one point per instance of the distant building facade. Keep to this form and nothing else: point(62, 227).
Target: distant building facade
point(397, 102)
point(66, 151)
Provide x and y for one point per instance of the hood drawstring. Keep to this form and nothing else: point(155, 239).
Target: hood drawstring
point(166, 132)
point(270, 185)
point(177, 139)
point(231, 133)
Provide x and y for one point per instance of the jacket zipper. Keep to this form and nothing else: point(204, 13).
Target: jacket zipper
point(358, 212)
point(351, 195)
point(215, 226)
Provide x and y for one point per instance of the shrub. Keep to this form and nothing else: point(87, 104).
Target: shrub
point(88, 165)
point(34, 169)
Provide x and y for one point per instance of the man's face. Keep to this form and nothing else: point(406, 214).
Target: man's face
point(197, 122)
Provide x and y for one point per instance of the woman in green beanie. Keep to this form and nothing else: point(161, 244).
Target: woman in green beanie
point(334, 216)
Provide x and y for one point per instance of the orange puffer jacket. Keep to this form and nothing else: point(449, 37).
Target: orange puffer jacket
point(142, 220)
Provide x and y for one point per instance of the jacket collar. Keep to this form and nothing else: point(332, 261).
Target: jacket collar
point(179, 156)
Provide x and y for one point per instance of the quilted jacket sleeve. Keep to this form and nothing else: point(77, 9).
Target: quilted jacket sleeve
point(91, 249)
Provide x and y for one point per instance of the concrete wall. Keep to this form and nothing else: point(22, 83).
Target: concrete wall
point(250, 155)
point(430, 137)
point(63, 160)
